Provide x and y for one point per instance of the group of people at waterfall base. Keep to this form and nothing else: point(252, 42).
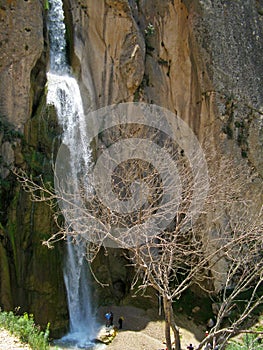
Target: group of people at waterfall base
point(109, 323)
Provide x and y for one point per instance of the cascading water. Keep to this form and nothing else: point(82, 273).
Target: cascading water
point(64, 94)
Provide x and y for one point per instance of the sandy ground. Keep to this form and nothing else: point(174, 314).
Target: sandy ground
point(9, 342)
point(143, 330)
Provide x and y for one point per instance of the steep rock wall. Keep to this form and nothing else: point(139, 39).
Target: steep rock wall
point(228, 35)
point(199, 59)
point(22, 44)
point(169, 69)
point(30, 274)
point(106, 35)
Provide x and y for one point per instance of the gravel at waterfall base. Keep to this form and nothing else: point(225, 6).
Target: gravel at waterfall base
point(142, 330)
point(10, 342)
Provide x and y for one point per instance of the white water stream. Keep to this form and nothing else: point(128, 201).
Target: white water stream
point(64, 94)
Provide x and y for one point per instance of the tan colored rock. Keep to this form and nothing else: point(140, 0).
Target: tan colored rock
point(21, 40)
point(171, 54)
point(110, 49)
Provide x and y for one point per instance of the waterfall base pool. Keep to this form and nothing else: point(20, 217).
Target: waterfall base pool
point(77, 340)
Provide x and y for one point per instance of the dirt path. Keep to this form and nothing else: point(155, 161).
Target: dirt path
point(9, 342)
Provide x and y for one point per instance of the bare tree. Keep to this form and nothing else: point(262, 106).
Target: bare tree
point(183, 255)
point(240, 293)
point(172, 244)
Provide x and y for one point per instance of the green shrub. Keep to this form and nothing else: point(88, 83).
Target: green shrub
point(149, 30)
point(249, 341)
point(46, 5)
point(25, 328)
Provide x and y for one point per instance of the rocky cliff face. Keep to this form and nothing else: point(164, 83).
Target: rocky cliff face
point(228, 34)
point(22, 44)
point(201, 59)
point(30, 274)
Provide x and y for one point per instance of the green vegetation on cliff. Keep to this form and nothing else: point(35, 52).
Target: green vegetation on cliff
point(253, 340)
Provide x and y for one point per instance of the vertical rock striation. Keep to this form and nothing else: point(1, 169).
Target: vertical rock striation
point(200, 59)
point(22, 44)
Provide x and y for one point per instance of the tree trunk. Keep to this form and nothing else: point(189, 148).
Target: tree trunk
point(177, 341)
point(167, 317)
point(170, 323)
point(168, 335)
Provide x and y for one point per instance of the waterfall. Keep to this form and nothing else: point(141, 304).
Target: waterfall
point(64, 94)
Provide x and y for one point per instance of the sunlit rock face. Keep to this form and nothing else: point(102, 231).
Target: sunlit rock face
point(200, 59)
point(22, 43)
point(196, 58)
point(109, 47)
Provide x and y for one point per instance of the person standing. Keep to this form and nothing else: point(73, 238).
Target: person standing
point(120, 321)
point(111, 318)
point(107, 316)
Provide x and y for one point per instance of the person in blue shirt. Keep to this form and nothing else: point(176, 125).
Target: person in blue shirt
point(107, 316)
